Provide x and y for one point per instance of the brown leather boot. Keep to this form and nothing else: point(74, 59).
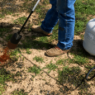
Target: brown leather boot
point(55, 51)
point(39, 30)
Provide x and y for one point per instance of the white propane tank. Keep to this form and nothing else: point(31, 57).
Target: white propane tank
point(89, 37)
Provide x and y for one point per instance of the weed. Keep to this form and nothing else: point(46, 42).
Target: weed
point(27, 51)
point(92, 73)
point(14, 52)
point(89, 67)
point(38, 10)
point(18, 73)
point(8, 37)
point(2, 89)
point(2, 16)
point(43, 39)
point(68, 74)
point(20, 20)
point(84, 92)
point(72, 76)
point(21, 92)
point(50, 67)
point(46, 2)
point(14, 55)
point(6, 12)
point(4, 30)
point(56, 27)
point(59, 62)
point(82, 37)
point(79, 60)
point(26, 44)
point(79, 27)
point(15, 14)
point(81, 20)
point(38, 59)
point(34, 69)
point(5, 76)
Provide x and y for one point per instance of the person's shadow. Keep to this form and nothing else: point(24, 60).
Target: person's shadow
point(30, 36)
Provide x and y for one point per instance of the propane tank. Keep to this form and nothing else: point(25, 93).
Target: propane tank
point(89, 37)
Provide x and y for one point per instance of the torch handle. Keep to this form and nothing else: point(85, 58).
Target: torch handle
point(28, 16)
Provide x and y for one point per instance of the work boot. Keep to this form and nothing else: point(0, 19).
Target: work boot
point(39, 30)
point(55, 51)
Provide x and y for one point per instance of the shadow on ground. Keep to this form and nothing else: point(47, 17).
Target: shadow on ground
point(29, 40)
point(77, 48)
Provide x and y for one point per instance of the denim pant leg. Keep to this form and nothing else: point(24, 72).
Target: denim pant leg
point(51, 18)
point(66, 15)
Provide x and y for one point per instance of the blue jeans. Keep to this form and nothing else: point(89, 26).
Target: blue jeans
point(62, 10)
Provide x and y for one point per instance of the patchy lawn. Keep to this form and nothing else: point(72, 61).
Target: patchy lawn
point(30, 72)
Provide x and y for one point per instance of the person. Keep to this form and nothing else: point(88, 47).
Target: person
point(64, 11)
